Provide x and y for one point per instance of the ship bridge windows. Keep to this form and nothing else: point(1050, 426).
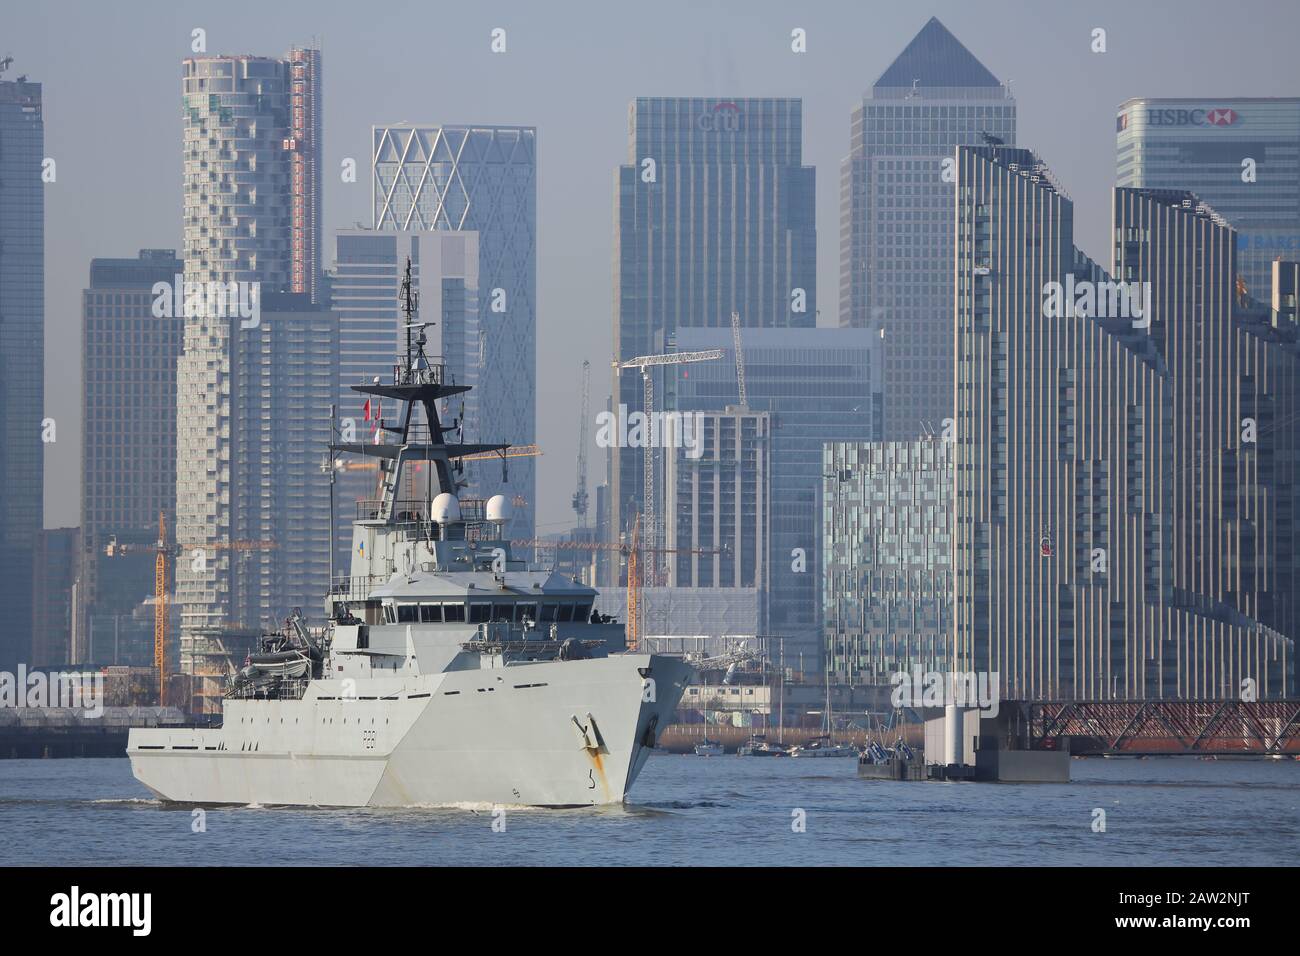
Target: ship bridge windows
point(482, 612)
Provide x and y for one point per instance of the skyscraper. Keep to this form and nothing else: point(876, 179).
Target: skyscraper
point(479, 179)
point(251, 226)
point(896, 229)
point(1083, 467)
point(128, 442)
point(287, 370)
point(22, 355)
point(714, 213)
point(1239, 155)
point(817, 385)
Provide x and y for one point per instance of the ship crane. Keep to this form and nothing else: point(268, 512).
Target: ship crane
point(580, 494)
point(645, 363)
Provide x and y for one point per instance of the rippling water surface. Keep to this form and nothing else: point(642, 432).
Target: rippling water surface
point(696, 810)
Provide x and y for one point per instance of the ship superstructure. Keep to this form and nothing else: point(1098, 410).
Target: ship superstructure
point(450, 671)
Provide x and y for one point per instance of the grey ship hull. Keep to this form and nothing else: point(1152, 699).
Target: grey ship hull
point(554, 734)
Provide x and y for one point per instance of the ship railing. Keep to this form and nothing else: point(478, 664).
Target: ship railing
point(433, 373)
point(356, 588)
point(291, 688)
point(411, 515)
point(472, 510)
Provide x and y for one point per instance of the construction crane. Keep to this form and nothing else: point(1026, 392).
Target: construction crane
point(634, 550)
point(645, 363)
point(633, 628)
point(580, 495)
point(740, 358)
point(160, 610)
point(162, 552)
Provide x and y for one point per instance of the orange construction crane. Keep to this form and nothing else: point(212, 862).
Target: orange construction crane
point(162, 551)
point(634, 587)
point(634, 550)
point(160, 610)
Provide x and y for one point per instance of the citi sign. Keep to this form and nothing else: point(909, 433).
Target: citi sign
point(1219, 116)
point(724, 117)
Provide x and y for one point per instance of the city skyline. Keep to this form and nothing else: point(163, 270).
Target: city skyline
point(749, 54)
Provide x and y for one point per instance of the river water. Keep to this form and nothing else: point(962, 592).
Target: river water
point(687, 810)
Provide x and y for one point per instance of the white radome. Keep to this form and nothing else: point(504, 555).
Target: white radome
point(446, 508)
point(499, 509)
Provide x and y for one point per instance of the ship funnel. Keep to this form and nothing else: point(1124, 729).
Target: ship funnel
point(445, 509)
point(498, 509)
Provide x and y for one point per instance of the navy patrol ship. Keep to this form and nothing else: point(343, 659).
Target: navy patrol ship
point(451, 672)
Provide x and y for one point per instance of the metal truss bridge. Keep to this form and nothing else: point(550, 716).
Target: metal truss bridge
point(1200, 727)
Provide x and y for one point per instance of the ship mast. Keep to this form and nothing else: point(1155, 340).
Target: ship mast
point(415, 380)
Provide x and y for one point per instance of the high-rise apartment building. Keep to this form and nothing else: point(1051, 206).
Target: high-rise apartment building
point(714, 214)
point(1077, 484)
point(480, 179)
point(896, 228)
point(1234, 396)
point(287, 370)
point(1241, 155)
point(22, 355)
point(251, 128)
point(887, 558)
point(128, 441)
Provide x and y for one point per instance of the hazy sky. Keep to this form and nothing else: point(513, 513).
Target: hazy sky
point(111, 72)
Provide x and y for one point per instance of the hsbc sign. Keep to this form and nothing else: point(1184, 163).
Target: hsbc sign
point(1217, 116)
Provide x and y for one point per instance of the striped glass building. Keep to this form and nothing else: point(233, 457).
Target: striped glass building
point(1082, 468)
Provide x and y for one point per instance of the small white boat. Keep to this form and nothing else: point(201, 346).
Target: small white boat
point(823, 747)
point(709, 748)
